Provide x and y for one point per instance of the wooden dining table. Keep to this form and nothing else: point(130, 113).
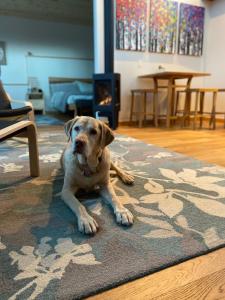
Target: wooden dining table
point(171, 77)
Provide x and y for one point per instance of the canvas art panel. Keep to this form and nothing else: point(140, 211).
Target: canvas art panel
point(2, 54)
point(191, 30)
point(131, 16)
point(163, 26)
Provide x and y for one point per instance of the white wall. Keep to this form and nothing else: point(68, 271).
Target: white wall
point(58, 44)
point(131, 64)
point(99, 45)
point(215, 50)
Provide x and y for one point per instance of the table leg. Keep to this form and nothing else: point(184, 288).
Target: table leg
point(145, 107)
point(202, 100)
point(155, 102)
point(214, 110)
point(131, 107)
point(173, 101)
point(141, 110)
point(169, 102)
point(196, 109)
point(187, 107)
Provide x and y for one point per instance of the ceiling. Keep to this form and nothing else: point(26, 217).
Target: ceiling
point(70, 11)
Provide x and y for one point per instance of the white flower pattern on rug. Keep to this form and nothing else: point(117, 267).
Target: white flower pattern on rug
point(42, 267)
point(47, 158)
point(4, 157)
point(213, 170)
point(24, 155)
point(11, 167)
point(168, 217)
point(160, 155)
point(126, 139)
point(170, 205)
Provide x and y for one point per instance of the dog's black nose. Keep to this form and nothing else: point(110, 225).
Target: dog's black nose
point(79, 143)
point(79, 146)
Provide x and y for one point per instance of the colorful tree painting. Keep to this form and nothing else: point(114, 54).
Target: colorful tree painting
point(131, 18)
point(191, 30)
point(163, 26)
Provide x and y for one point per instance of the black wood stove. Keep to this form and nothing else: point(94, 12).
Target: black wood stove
point(107, 96)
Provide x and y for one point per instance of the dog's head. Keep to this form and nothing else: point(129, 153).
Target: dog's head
point(88, 135)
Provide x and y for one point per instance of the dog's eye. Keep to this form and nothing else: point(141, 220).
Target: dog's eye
point(93, 131)
point(76, 128)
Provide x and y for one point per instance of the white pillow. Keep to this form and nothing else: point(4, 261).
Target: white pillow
point(57, 97)
point(74, 98)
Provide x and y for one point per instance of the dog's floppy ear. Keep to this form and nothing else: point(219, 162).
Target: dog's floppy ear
point(107, 135)
point(68, 126)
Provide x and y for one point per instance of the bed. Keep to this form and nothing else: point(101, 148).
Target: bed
point(70, 93)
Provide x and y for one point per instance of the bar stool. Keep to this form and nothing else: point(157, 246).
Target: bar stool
point(198, 111)
point(221, 112)
point(142, 113)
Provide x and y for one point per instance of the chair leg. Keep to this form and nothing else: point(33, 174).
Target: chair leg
point(211, 119)
point(176, 106)
point(196, 110)
point(188, 108)
point(145, 106)
point(214, 110)
point(172, 105)
point(169, 103)
point(155, 108)
point(131, 107)
point(186, 112)
point(141, 109)
point(202, 99)
point(176, 102)
point(33, 151)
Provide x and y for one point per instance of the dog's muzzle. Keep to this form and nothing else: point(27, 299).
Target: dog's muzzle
point(79, 146)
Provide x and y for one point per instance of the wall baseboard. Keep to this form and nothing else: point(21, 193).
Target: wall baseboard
point(15, 84)
point(58, 57)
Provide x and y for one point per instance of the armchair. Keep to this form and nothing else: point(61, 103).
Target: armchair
point(19, 121)
point(13, 110)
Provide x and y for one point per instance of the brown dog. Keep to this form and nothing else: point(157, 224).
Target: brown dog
point(86, 162)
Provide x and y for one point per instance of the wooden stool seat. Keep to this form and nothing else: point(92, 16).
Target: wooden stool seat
point(203, 90)
point(198, 105)
point(142, 113)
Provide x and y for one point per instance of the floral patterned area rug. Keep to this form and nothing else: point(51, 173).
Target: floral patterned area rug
point(178, 204)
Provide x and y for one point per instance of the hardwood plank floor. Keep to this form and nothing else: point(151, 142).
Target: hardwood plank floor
point(198, 278)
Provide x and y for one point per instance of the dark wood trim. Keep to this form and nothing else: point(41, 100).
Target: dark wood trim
point(109, 35)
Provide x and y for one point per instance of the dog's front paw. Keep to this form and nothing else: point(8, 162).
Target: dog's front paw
point(86, 224)
point(124, 216)
point(127, 178)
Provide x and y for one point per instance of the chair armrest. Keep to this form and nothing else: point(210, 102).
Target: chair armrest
point(28, 103)
point(14, 128)
point(15, 112)
point(20, 103)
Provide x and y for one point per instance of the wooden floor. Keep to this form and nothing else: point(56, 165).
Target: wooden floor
point(199, 278)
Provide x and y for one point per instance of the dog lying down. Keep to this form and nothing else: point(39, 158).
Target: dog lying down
point(86, 162)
